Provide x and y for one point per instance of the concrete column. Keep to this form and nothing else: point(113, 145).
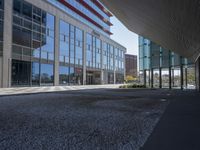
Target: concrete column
point(152, 78)
point(197, 73)
point(102, 76)
point(181, 73)
point(84, 56)
point(114, 66)
point(186, 79)
point(170, 73)
point(160, 77)
point(56, 47)
point(101, 58)
point(114, 76)
point(145, 76)
point(170, 78)
point(7, 45)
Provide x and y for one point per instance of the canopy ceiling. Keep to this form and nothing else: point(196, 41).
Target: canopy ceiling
point(173, 24)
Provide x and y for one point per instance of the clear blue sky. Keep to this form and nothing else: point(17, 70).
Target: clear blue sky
point(124, 36)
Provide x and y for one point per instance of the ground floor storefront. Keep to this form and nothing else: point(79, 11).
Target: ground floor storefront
point(40, 73)
point(179, 77)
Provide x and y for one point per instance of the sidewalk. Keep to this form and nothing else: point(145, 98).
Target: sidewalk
point(31, 90)
point(179, 127)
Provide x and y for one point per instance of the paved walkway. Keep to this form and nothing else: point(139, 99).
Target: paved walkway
point(103, 119)
point(31, 90)
point(179, 127)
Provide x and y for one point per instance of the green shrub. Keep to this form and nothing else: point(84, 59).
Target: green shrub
point(129, 86)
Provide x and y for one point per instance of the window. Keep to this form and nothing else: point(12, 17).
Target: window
point(63, 75)
point(27, 10)
point(47, 76)
point(1, 4)
point(35, 73)
point(17, 6)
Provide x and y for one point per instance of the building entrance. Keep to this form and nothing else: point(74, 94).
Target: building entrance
point(93, 77)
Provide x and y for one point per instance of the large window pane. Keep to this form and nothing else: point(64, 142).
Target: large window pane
point(21, 36)
point(27, 10)
point(21, 73)
point(35, 73)
point(64, 75)
point(47, 76)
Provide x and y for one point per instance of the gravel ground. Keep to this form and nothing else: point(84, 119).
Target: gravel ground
point(103, 119)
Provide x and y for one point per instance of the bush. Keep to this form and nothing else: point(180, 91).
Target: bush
point(129, 86)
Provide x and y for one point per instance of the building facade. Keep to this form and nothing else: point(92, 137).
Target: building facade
point(131, 65)
point(58, 42)
point(163, 68)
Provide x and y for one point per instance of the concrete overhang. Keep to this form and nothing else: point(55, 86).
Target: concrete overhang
point(173, 24)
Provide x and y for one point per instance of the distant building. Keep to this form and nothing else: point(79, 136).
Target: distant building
point(131, 65)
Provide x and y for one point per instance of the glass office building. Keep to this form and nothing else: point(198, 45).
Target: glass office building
point(161, 68)
point(58, 42)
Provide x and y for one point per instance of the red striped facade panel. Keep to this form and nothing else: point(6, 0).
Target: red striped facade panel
point(94, 11)
point(84, 16)
point(98, 4)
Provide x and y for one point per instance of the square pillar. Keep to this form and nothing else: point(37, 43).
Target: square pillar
point(56, 48)
point(170, 78)
point(152, 78)
point(84, 57)
point(160, 77)
point(181, 72)
point(7, 45)
point(145, 81)
point(197, 73)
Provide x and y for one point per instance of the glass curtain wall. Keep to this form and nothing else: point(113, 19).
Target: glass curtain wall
point(165, 65)
point(93, 59)
point(105, 56)
point(71, 54)
point(190, 75)
point(78, 56)
point(64, 53)
point(33, 45)
point(156, 78)
point(89, 51)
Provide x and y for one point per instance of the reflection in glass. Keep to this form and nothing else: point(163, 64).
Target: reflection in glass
point(156, 78)
point(35, 73)
point(21, 73)
point(165, 78)
point(47, 76)
point(63, 75)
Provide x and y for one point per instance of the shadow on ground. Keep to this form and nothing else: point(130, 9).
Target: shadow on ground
point(104, 119)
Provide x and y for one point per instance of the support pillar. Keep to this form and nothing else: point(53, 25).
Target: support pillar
point(56, 48)
point(149, 78)
point(181, 73)
point(160, 77)
point(170, 78)
point(197, 73)
point(186, 79)
point(102, 77)
point(114, 77)
point(7, 45)
point(145, 78)
point(84, 58)
point(152, 78)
